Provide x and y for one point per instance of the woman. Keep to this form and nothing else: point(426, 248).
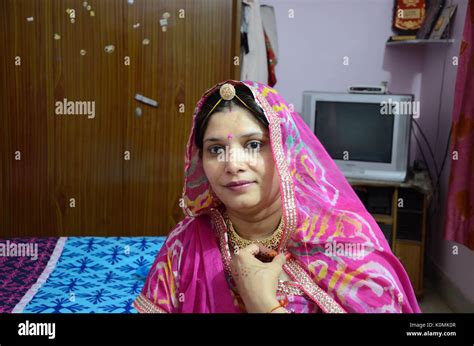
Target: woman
point(266, 210)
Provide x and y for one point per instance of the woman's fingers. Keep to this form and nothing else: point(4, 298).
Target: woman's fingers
point(265, 250)
point(280, 259)
point(257, 248)
point(252, 249)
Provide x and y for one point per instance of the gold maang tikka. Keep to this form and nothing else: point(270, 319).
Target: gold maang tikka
point(227, 92)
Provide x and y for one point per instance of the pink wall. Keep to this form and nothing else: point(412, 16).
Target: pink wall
point(312, 46)
point(437, 99)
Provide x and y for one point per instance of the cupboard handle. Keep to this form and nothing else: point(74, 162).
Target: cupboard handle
point(146, 100)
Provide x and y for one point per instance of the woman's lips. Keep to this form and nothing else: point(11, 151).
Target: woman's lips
point(241, 187)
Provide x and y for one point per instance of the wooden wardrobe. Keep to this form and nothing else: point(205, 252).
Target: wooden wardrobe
point(119, 173)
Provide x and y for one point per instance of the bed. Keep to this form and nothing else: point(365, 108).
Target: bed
point(74, 274)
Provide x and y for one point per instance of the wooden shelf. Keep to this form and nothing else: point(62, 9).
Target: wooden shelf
point(409, 251)
point(409, 242)
point(419, 42)
point(419, 181)
point(387, 219)
point(401, 210)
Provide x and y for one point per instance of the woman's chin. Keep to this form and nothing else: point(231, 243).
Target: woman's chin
point(242, 202)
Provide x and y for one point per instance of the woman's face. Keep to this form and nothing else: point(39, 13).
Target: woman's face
point(236, 148)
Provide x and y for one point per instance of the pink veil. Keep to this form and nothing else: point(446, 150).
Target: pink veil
point(320, 210)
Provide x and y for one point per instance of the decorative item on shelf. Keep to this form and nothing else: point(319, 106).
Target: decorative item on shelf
point(402, 37)
point(408, 16)
point(444, 19)
point(433, 10)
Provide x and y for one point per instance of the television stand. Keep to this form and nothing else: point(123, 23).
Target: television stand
point(401, 209)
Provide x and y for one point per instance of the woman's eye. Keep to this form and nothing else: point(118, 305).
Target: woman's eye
point(216, 150)
point(254, 145)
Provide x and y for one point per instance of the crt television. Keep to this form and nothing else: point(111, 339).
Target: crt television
point(367, 135)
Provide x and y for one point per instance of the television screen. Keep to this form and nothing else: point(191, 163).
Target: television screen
point(354, 131)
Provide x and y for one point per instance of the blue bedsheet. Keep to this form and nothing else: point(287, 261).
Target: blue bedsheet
point(97, 275)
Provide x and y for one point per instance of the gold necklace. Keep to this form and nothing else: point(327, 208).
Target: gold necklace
point(237, 242)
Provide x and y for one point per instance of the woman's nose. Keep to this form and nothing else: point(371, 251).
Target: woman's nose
point(235, 160)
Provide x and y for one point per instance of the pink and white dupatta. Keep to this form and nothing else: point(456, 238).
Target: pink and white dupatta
point(320, 210)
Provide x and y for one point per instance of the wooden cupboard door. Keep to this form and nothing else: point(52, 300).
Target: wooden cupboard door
point(409, 253)
point(174, 68)
point(108, 168)
point(86, 150)
point(26, 206)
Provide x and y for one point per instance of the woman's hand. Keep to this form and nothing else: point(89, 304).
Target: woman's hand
point(256, 281)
